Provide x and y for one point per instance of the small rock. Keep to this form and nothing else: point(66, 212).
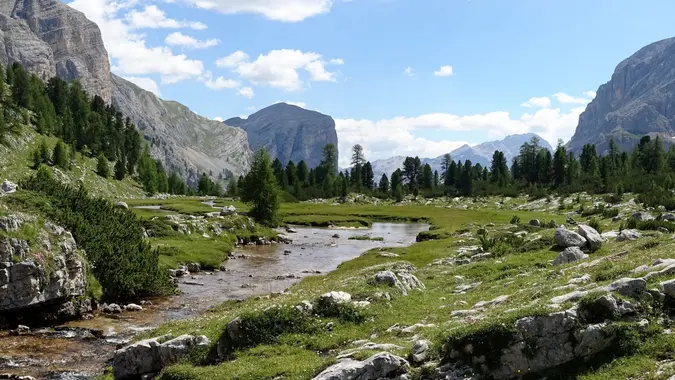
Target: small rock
point(379, 366)
point(570, 255)
point(122, 205)
point(133, 307)
point(336, 236)
point(112, 308)
point(565, 238)
point(420, 351)
point(194, 267)
point(627, 235)
point(591, 235)
point(535, 223)
point(628, 287)
point(669, 288)
point(642, 216)
point(336, 298)
point(229, 210)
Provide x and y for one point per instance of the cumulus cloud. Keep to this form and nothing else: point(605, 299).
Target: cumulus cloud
point(542, 102)
point(400, 135)
point(568, 99)
point(281, 68)
point(279, 10)
point(151, 17)
point(129, 52)
point(219, 83)
point(590, 94)
point(218, 118)
point(409, 71)
point(183, 40)
point(299, 104)
point(145, 83)
point(246, 92)
point(444, 71)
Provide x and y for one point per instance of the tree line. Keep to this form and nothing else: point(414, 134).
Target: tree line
point(85, 125)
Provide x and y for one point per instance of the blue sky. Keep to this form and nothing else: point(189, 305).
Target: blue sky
point(399, 76)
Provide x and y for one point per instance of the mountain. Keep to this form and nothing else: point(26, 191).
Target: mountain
point(289, 132)
point(639, 99)
point(479, 154)
point(51, 39)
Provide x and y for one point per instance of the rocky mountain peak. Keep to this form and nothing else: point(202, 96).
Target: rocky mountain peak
point(289, 132)
point(638, 100)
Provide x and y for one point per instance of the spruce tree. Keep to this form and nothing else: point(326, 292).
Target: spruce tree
point(261, 191)
point(384, 185)
point(120, 169)
point(102, 166)
point(303, 172)
point(233, 188)
point(45, 154)
point(60, 156)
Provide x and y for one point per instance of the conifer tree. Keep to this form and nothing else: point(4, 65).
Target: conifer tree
point(120, 169)
point(60, 156)
point(384, 184)
point(102, 166)
point(261, 191)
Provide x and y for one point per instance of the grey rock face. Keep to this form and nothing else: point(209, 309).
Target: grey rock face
point(289, 132)
point(591, 235)
point(638, 100)
point(380, 366)
point(570, 255)
point(669, 288)
point(403, 280)
point(565, 238)
point(26, 281)
point(184, 141)
point(629, 287)
point(150, 356)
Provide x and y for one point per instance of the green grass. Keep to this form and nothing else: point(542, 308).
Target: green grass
point(366, 237)
point(524, 274)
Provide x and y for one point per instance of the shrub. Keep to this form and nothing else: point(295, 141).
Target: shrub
point(515, 219)
point(124, 264)
point(595, 224)
point(610, 213)
point(343, 312)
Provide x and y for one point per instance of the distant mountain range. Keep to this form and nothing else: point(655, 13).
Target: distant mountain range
point(479, 154)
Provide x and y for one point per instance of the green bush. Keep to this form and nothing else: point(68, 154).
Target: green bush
point(342, 312)
point(595, 224)
point(515, 219)
point(610, 213)
point(124, 264)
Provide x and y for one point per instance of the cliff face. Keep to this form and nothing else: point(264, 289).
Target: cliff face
point(638, 100)
point(289, 132)
point(51, 39)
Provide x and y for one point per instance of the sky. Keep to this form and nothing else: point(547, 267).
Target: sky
point(400, 77)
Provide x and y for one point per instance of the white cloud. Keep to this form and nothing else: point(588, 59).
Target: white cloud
point(220, 83)
point(279, 10)
point(128, 51)
point(542, 102)
point(568, 99)
point(400, 135)
point(444, 71)
point(590, 94)
point(218, 118)
point(145, 83)
point(151, 17)
point(180, 39)
point(246, 92)
point(281, 68)
point(409, 71)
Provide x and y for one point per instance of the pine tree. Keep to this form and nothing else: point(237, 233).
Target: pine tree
point(60, 156)
point(120, 169)
point(559, 165)
point(427, 177)
point(303, 172)
point(396, 181)
point(162, 179)
point(232, 188)
point(102, 166)
point(412, 171)
point(384, 184)
point(291, 173)
point(45, 154)
point(260, 190)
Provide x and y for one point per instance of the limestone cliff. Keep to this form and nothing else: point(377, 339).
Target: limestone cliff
point(638, 100)
point(289, 132)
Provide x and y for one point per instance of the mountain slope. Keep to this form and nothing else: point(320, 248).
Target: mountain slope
point(49, 38)
point(479, 154)
point(639, 99)
point(289, 132)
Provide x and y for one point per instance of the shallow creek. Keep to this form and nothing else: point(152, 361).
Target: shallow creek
point(76, 353)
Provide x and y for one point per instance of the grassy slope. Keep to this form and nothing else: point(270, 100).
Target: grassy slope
point(302, 356)
point(15, 164)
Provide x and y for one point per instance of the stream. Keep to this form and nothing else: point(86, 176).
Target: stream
point(75, 353)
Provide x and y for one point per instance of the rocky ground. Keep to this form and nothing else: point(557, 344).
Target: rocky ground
point(487, 293)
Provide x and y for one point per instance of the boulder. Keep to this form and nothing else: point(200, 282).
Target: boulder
point(565, 238)
point(194, 267)
point(133, 307)
point(403, 280)
point(535, 223)
point(378, 367)
point(642, 216)
point(336, 298)
point(627, 235)
point(8, 187)
point(669, 288)
point(122, 205)
point(628, 287)
point(592, 236)
point(669, 217)
point(228, 210)
point(604, 306)
point(593, 339)
point(570, 255)
point(150, 356)
point(112, 308)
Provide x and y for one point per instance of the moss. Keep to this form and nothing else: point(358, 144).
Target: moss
point(341, 312)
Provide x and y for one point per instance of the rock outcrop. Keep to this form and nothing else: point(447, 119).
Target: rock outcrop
point(289, 132)
point(150, 356)
point(638, 100)
point(51, 39)
point(378, 367)
point(39, 280)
